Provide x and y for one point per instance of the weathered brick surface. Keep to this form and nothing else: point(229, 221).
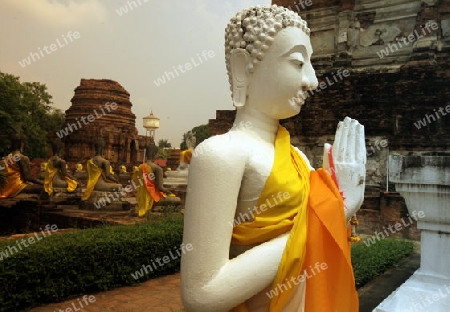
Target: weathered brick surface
point(116, 126)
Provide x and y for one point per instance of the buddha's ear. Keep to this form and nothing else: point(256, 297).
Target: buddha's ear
point(239, 61)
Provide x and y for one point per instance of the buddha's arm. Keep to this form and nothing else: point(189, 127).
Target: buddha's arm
point(24, 165)
point(108, 174)
point(159, 178)
point(65, 173)
point(210, 280)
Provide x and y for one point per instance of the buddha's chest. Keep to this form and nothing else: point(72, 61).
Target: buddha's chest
point(257, 170)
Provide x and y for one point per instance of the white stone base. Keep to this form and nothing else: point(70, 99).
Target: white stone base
point(421, 292)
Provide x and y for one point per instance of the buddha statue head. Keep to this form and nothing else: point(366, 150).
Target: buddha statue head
point(57, 146)
point(151, 151)
point(79, 167)
point(100, 146)
point(267, 54)
point(190, 140)
point(123, 169)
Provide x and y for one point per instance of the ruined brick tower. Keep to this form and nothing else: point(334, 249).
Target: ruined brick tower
point(101, 108)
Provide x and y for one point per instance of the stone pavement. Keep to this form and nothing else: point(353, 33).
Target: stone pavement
point(156, 295)
point(163, 294)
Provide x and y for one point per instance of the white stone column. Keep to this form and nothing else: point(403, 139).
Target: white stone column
point(424, 181)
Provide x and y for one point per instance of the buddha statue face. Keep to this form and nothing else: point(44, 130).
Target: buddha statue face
point(268, 53)
point(190, 140)
point(100, 146)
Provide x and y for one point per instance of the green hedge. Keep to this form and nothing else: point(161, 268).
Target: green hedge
point(66, 265)
point(72, 264)
point(371, 261)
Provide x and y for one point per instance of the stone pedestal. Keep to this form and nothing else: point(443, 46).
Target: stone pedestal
point(176, 178)
point(61, 196)
point(168, 204)
point(423, 180)
point(105, 201)
point(176, 182)
point(81, 177)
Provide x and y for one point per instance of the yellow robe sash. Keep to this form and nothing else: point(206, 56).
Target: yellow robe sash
point(14, 184)
point(314, 215)
point(186, 155)
point(147, 193)
point(50, 172)
point(93, 174)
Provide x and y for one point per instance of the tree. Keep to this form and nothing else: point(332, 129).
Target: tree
point(25, 108)
point(164, 143)
point(161, 154)
point(201, 133)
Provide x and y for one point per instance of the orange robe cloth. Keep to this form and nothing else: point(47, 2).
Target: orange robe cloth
point(14, 183)
point(314, 215)
point(147, 192)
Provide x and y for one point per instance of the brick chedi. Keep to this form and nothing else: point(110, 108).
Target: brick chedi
point(101, 107)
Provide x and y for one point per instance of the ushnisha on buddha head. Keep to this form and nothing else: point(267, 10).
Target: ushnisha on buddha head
point(249, 38)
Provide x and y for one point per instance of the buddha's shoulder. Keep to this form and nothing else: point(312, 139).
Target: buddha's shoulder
point(224, 145)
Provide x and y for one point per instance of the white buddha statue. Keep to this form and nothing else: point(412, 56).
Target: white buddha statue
point(258, 216)
point(179, 177)
point(186, 155)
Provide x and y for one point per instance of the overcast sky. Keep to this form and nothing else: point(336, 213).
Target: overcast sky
point(131, 42)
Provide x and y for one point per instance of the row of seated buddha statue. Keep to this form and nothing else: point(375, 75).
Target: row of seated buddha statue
point(123, 175)
point(146, 182)
point(100, 180)
point(55, 178)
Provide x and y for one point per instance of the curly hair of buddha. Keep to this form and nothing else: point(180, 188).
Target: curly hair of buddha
point(254, 30)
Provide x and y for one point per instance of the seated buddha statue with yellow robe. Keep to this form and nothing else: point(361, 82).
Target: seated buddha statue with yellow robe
point(148, 182)
point(268, 231)
point(56, 174)
point(99, 177)
point(17, 168)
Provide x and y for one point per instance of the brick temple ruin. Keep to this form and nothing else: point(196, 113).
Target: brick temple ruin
point(102, 107)
point(386, 64)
